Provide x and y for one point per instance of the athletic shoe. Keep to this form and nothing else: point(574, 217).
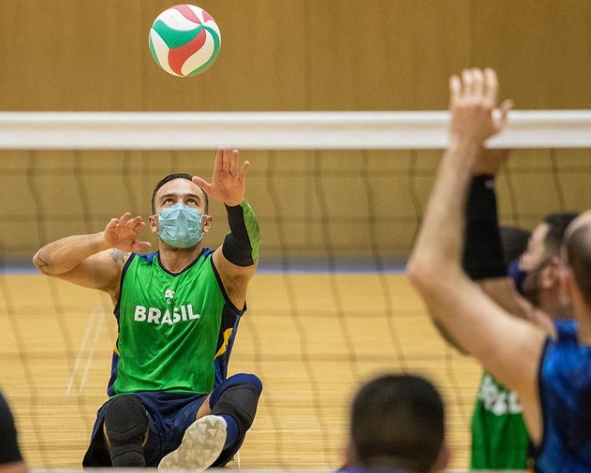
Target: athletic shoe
point(201, 446)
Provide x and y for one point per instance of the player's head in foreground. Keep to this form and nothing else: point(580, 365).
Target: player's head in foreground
point(550, 375)
point(397, 424)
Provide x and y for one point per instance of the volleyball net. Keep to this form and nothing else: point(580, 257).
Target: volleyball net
point(339, 197)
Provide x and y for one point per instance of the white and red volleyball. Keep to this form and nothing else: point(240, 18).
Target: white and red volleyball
point(185, 40)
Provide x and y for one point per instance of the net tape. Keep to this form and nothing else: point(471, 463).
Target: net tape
point(278, 130)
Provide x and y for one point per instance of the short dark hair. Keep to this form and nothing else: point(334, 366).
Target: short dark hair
point(172, 177)
point(514, 241)
point(398, 422)
point(579, 260)
point(557, 223)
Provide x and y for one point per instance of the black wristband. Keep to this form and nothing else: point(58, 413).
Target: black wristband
point(483, 249)
point(241, 245)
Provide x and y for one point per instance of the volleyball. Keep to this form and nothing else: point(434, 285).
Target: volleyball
point(185, 40)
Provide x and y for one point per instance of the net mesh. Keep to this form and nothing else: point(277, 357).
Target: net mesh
point(327, 309)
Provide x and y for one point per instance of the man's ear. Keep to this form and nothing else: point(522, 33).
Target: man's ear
point(550, 276)
point(153, 221)
point(207, 221)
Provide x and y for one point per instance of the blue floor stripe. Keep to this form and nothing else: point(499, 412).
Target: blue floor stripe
point(307, 267)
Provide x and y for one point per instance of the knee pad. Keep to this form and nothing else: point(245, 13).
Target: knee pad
point(239, 400)
point(126, 423)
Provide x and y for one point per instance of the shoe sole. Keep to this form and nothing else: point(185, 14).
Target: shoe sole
point(202, 444)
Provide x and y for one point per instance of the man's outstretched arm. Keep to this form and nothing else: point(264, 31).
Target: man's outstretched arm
point(483, 253)
point(94, 261)
point(237, 258)
point(508, 347)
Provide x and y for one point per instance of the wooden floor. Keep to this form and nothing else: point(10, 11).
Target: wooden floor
point(312, 338)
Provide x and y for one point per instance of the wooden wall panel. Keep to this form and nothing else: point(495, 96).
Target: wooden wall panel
point(442, 49)
point(540, 48)
point(385, 54)
point(70, 55)
point(295, 54)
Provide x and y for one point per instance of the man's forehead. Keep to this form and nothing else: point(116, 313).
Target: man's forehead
point(180, 186)
point(540, 232)
point(583, 220)
point(538, 238)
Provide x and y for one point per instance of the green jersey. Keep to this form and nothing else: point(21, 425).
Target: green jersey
point(499, 436)
point(175, 330)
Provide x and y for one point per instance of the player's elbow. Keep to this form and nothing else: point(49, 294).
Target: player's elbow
point(431, 278)
point(420, 275)
point(36, 261)
point(41, 263)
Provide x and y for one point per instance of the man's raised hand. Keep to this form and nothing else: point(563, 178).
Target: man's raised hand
point(122, 233)
point(228, 183)
point(473, 106)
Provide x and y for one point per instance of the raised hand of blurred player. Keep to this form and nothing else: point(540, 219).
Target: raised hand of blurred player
point(473, 106)
point(123, 233)
point(228, 183)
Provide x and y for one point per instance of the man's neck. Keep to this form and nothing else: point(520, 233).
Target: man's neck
point(176, 259)
point(386, 464)
point(554, 307)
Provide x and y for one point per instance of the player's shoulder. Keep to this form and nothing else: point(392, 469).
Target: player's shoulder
point(205, 260)
point(565, 361)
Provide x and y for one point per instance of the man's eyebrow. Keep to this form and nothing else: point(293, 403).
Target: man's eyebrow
point(166, 196)
point(172, 194)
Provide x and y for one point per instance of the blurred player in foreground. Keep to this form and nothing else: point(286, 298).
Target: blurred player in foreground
point(499, 436)
point(552, 379)
point(177, 310)
point(507, 267)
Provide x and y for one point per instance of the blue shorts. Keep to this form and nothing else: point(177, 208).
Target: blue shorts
point(169, 415)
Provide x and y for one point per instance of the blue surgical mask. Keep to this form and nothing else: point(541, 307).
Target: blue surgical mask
point(180, 226)
point(517, 274)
